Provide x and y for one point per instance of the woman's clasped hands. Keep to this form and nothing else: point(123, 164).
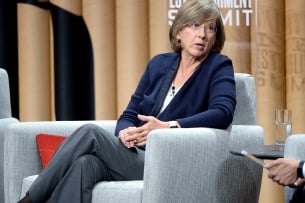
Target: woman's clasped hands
point(137, 136)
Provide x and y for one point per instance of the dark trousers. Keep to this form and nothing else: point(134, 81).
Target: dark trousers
point(298, 195)
point(88, 156)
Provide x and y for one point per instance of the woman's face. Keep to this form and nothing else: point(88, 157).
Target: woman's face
point(197, 39)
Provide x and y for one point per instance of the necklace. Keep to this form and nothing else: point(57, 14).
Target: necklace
point(173, 90)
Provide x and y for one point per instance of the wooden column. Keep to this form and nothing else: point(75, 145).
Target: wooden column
point(99, 16)
point(132, 47)
point(34, 63)
point(237, 21)
point(270, 80)
point(254, 39)
point(271, 63)
point(295, 62)
point(161, 14)
point(74, 6)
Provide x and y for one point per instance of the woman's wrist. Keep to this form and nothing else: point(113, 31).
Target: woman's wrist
point(173, 124)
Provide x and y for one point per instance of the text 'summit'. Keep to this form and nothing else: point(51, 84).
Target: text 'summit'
point(234, 12)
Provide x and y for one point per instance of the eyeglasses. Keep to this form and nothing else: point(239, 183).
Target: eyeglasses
point(208, 28)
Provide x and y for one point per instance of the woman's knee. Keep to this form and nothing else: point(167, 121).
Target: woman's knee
point(85, 131)
point(92, 167)
point(89, 127)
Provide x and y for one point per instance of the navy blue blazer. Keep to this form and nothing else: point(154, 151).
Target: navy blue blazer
point(207, 98)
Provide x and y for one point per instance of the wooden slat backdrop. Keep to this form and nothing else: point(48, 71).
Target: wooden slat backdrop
point(237, 45)
point(125, 34)
point(270, 79)
point(132, 47)
point(34, 63)
point(158, 27)
point(295, 62)
point(99, 16)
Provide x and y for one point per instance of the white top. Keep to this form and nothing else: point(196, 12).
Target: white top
point(170, 95)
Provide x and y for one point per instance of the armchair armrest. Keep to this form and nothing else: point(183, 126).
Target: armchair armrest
point(195, 165)
point(246, 135)
point(20, 149)
point(184, 164)
point(244, 175)
point(295, 147)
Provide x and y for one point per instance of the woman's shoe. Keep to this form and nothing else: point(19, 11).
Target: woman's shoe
point(26, 199)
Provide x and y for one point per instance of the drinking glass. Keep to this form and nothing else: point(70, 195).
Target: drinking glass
point(282, 124)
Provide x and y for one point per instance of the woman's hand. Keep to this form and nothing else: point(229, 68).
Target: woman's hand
point(123, 134)
point(137, 136)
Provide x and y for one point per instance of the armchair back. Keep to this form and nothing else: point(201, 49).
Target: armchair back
point(245, 112)
point(5, 101)
point(5, 121)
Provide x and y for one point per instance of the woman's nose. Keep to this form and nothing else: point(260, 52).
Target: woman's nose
point(202, 32)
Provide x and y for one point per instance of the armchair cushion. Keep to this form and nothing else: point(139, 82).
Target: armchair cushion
point(114, 191)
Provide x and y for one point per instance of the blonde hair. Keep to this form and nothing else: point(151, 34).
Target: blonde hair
point(197, 11)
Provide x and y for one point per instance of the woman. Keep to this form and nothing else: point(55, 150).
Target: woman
point(192, 87)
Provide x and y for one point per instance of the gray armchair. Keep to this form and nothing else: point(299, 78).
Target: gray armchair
point(294, 149)
point(181, 165)
point(5, 120)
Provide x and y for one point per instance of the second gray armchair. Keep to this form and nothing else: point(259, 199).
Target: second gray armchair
point(5, 120)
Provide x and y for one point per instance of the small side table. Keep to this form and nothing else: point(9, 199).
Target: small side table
point(265, 152)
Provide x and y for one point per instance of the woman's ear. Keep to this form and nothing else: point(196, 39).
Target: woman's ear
point(178, 38)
